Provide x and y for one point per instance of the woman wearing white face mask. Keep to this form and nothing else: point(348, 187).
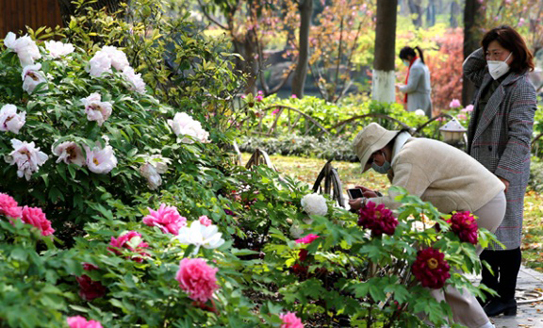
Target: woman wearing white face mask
point(417, 82)
point(499, 136)
point(440, 174)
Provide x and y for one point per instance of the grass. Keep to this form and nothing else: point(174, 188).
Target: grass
point(307, 169)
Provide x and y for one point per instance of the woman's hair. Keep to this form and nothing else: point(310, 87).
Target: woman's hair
point(512, 41)
point(408, 51)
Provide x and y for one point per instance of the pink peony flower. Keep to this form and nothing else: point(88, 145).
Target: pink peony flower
point(521, 22)
point(378, 219)
point(132, 241)
point(184, 124)
point(465, 226)
point(205, 221)
point(9, 207)
point(36, 217)
point(260, 93)
point(80, 322)
point(294, 96)
point(166, 218)
point(276, 111)
point(430, 268)
point(197, 279)
point(461, 116)
point(27, 157)
point(468, 109)
point(259, 98)
point(69, 152)
point(10, 120)
point(291, 321)
point(455, 103)
point(307, 239)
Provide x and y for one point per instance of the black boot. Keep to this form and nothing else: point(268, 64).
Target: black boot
point(497, 306)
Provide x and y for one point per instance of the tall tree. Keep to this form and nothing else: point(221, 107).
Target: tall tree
point(431, 13)
point(385, 40)
point(455, 10)
point(298, 80)
point(416, 12)
point(472, 37)
point(68, 8)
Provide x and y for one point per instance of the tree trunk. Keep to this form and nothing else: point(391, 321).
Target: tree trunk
point(67, 8)
point(385, 38)
point(415, 8)
point(472, 35)
point(431, 13)
point(455, 10)
point(251, 63)
point(298, 80)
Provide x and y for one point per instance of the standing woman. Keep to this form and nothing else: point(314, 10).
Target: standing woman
point(499, 134)
point(417, 82)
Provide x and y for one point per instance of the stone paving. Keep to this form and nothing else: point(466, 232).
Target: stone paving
point(529, 299)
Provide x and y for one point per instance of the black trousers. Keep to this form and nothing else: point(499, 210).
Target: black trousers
point(506, 265)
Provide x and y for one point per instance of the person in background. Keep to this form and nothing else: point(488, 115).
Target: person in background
point(417, 82)
point(499, 135)
point(443, 175)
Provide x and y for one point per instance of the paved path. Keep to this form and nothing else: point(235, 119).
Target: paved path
point(529, 299)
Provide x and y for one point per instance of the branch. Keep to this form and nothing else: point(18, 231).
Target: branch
point(208, 16)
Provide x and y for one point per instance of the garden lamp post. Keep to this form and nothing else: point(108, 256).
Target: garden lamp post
point(453, 132)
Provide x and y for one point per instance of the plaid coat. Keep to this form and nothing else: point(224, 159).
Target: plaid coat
point(501, 139)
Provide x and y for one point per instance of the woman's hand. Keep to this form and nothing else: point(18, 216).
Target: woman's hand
point(356, 204)
point(505, 182)
point(368, 193)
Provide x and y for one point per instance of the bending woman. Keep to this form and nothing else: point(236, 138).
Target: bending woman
point(417, 83)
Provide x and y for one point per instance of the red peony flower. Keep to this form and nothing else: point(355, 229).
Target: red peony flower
point(465, 226)
point(430, 268)
point(36, 217)
point(378, 219)
point(130, 240)
point(197, 279)
point(9, 207)
point(89, 289)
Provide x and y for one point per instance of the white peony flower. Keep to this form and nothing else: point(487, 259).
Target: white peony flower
point(32, 77)
point(25, 47)
point(200, 235)
point(27, 157)
point(160, 163)
point(420, 112)
point(314, 204)
point(109, 56)
point(296, 232)
point(135, 80)
point(96, 109)
point(10, 120)
point(118, 58)
point(99, 64)
point(58, 49)
point(149, 172)
point(101, 161)
point(69, 152)
point(183, 124)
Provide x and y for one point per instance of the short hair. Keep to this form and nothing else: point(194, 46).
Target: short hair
point(511, 40)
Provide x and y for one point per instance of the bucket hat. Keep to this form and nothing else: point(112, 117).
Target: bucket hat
point(370, 140)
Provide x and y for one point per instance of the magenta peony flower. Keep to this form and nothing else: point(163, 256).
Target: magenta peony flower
point(9, 207)
point(80, 322)
point(131, 241)
point(378, 219)
point(259, 98)
point(294, 96)
point(89, 289)
point(197, 279)
point(430, 268)
point(166, 218)
point(465, 226)
point(205, 221)
point(36, 217)
point(291, 321)
point(307, 239)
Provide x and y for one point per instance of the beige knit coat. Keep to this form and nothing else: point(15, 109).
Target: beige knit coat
point(441, 174)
